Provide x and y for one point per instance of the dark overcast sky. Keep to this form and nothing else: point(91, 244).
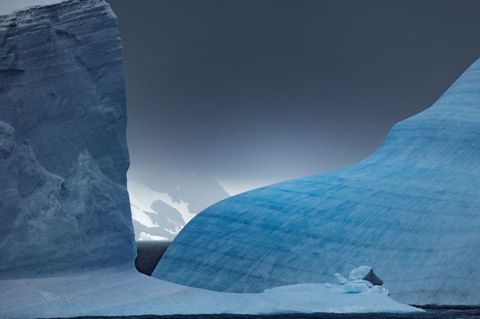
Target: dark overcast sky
point(253, 92)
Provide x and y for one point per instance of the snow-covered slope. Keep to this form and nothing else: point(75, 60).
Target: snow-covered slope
point(411, 210)
point(63, 198)
point(155, 215)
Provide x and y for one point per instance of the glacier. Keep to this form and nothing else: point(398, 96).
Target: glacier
point(67, 244)
point(411, 210)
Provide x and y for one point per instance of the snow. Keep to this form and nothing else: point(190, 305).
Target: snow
point(410, 210)
point(147, 197)
point(156, 214)
point(147, 237)
point(140, 214)
point(125, 292)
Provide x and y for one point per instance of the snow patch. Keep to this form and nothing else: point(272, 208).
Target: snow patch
point(146, 197)
point(139, 214)
point(147, 237)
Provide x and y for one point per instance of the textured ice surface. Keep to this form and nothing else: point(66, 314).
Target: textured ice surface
point(411, 210)
point(63, 198)
point(116, 292)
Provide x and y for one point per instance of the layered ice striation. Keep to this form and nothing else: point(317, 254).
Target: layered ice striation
point(64, 203)
point(411, 210)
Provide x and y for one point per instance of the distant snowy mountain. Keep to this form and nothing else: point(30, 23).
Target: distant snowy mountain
point(160, 215)
point(156, 216)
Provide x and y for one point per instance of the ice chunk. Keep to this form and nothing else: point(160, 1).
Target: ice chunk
point(340, 280)
point(365, 273)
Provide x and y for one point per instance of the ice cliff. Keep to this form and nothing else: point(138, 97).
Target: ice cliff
point(411, 210)
point(63, 155)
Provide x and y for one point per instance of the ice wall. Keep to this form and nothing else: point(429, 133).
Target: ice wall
point(411, 210)
point(63, 153)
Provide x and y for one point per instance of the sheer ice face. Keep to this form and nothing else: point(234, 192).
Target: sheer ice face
point(411, 210)
point(64, 203)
